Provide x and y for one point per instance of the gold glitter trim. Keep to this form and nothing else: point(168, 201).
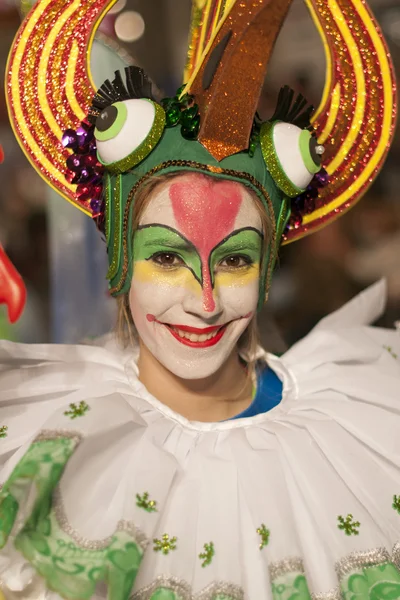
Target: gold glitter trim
point(283, 567)
point(199, 167)
point(273, 163)
point(116, 236)
point(360, 560)
point(147, 146)
point(127, 526)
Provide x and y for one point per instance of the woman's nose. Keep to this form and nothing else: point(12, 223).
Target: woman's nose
point(207, 306)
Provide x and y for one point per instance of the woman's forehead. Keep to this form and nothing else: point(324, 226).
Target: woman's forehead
point(194, 201)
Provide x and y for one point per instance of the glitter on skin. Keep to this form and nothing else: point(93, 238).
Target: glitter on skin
point(205, 211)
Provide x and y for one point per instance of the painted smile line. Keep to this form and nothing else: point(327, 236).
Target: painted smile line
point(197, 338)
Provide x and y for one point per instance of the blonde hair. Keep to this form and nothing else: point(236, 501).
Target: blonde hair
point(125, 329)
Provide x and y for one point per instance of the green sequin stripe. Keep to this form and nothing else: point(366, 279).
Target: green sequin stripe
point(114, 241)
point(273, 163)
point(252, 182)
point(147, 146)
point(107, 200)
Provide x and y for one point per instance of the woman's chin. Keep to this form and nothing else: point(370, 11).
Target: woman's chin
point(194, 367)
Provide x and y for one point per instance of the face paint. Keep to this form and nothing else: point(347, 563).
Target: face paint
point(205, 213)
point(195, 279)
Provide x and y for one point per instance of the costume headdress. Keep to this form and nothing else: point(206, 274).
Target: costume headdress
point(98, 148)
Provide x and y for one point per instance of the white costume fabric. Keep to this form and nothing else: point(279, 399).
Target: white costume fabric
point(105, 488)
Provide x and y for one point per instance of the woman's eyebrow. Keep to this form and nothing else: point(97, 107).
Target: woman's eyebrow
point(166, 243)
point(163, 235)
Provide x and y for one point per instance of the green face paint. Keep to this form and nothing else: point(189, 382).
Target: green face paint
point(244, 242)
point(157, 239)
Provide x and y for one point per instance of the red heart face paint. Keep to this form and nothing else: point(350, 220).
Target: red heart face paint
point(205, 213)
point(196, 272)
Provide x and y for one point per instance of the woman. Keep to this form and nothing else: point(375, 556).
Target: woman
point(192, 464)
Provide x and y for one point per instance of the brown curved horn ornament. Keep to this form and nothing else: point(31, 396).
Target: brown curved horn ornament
point(228, 84)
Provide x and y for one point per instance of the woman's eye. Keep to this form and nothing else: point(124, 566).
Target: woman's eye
point(167, 259)
point(235, 262)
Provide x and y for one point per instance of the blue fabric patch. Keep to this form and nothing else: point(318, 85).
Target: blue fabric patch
point(269, 393)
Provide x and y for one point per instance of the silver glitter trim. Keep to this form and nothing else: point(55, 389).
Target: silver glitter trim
point(176, 585)
point(359, 560)
point(334, 594)
point(396, 555)
point(288, 565)
point(55, 434)
point(223, 589)
point(127, 526)
point(183, 590)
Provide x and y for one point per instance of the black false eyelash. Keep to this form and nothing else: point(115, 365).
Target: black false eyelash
point(298, 112)
point(137, 86)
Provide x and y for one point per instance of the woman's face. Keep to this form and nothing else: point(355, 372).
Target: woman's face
point(195, 282)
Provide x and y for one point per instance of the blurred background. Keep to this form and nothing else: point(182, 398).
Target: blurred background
point(60, 255)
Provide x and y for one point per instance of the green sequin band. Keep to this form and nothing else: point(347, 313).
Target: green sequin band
point(107, 200)
point(273, 164)
point(144, 149)
point(116, 243)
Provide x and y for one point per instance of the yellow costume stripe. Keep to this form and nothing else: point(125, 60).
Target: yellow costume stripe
point(333, 112)
point(15, 109)
point(328, 58)
point(199, 62)
point(387, 125)
point(69, 84)
point(203, 31)
point(359, 111)
point(43, 68)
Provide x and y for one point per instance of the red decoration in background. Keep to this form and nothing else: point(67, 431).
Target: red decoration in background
point(12, 288)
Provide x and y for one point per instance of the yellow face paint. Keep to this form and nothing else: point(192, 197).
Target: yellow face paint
point(147, 271)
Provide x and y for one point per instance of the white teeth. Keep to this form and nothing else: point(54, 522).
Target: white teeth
point(194, 337)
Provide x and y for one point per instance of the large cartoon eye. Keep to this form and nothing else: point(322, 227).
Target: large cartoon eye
point(126, 132)
point(292, 155)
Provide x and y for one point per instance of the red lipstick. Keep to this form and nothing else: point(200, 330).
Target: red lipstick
point(206, 344)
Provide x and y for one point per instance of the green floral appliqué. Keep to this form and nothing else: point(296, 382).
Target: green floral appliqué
point(144, 502)
point(77, 410)
point(379, 582)
point(396, 503)
point(3, 431)
point(208, 554)
point(165, 545)
point(71, 570)
point(391, 351)
point(291, 586)
point(348, 525)
point(264, 533)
